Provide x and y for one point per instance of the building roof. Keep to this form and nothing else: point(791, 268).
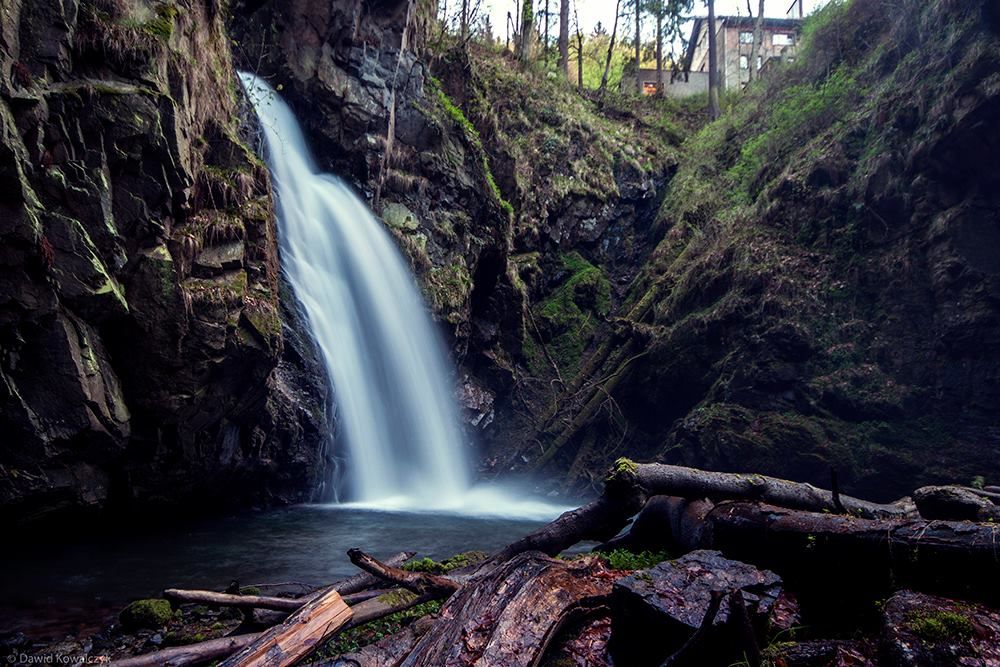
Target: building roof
point(738, 21)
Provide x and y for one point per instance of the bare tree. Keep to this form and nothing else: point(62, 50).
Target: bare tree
point(638, 46)
point(464, 21)
point(659, 9)
point(545, 48)
point(564, 37)
point(611, 48)
point(579, 50)
point(758, 39)
point(713, 71)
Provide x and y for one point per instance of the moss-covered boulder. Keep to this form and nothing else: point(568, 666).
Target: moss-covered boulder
point(149, 614)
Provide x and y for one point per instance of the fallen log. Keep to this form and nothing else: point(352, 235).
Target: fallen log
point(840, 557)
point(180, 596)
point(191, 654)
point(421, 583)
point(629, 485)
point(955, 503)
point(301, 633)
point(364, 580)
point(184, 596)
point(508, 615)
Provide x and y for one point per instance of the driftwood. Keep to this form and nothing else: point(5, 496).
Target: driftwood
point(300, 634)
point(363, 580)
point(509, 615)
point(192, 654)
point(228, 600)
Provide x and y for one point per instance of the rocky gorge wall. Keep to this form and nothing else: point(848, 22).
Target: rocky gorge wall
point(143, 358)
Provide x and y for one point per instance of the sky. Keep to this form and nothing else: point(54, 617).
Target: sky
point(592, 11)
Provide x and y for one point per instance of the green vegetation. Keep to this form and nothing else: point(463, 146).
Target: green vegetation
point(447, 565)
point(568, 318)
point(458, 116)
point(353, 639)
point(623, 559)
point(940, 626)
point(150, 614)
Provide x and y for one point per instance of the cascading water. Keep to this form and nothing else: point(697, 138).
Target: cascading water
point(405, 448)
point(378, 342)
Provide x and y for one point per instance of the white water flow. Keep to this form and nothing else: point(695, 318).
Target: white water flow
point(404, 442)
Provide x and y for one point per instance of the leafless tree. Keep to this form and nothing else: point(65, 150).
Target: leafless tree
point(758, 39)
point(564, 37)
point(713, 70)
point(611, 49)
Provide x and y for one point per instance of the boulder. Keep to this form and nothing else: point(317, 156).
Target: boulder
point(655, 611)
point(920, 629)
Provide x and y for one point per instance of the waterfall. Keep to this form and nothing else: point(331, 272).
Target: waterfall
point(367, 316)
point(380, 347)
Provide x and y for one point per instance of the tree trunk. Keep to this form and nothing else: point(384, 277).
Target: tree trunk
point(758, 41)
point(713, 69)
point(579, 51)
point(509, 615)
point(545, 47)
point(527, 31)
point(638, 47)
point(301, 634)
point(464, 27)
point(227, 600)
point(611, 48)
point(564, 38)
point(659, 51)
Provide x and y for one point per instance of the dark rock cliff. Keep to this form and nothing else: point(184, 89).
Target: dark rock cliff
point(143, 360)
point(825, 290)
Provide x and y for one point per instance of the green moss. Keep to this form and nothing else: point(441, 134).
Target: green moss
point(939, 626)
point(150, 613)
point(355, 638)
point(447, 565)
point(249, 590)
point(570, 315)
point(448, 287)
point(623, 559)
point(472, 134)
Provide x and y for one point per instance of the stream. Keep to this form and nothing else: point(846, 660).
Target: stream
point(51, 590)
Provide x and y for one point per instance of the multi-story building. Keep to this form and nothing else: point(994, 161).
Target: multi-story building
point(734, 41)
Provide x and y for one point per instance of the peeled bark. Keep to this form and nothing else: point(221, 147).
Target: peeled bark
point(301, 634)
point(509, 614)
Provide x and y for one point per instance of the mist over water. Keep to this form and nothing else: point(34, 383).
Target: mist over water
point(404, 442)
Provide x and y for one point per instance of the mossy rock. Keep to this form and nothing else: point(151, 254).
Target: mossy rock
point(151, 614)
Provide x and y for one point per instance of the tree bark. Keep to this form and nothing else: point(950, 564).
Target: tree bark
point(564, 38)
point(713, 69)
point(527, 31)
point(464, 26)
point(509, 615)
point(758, 40)
point(611, 48)
point(301, 634)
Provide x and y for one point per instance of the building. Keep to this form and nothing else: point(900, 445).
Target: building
point(734, 39)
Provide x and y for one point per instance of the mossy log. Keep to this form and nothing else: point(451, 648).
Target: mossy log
point(630, 484)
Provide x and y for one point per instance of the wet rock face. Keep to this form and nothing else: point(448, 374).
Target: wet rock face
point(374, 116)
point(142, 356)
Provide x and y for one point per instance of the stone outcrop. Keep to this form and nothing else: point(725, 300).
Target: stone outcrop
point(143, 359)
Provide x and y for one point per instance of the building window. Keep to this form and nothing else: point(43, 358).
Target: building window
point(746, 37)
point(760, 62)
point(744, 62)
point(782, 39)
